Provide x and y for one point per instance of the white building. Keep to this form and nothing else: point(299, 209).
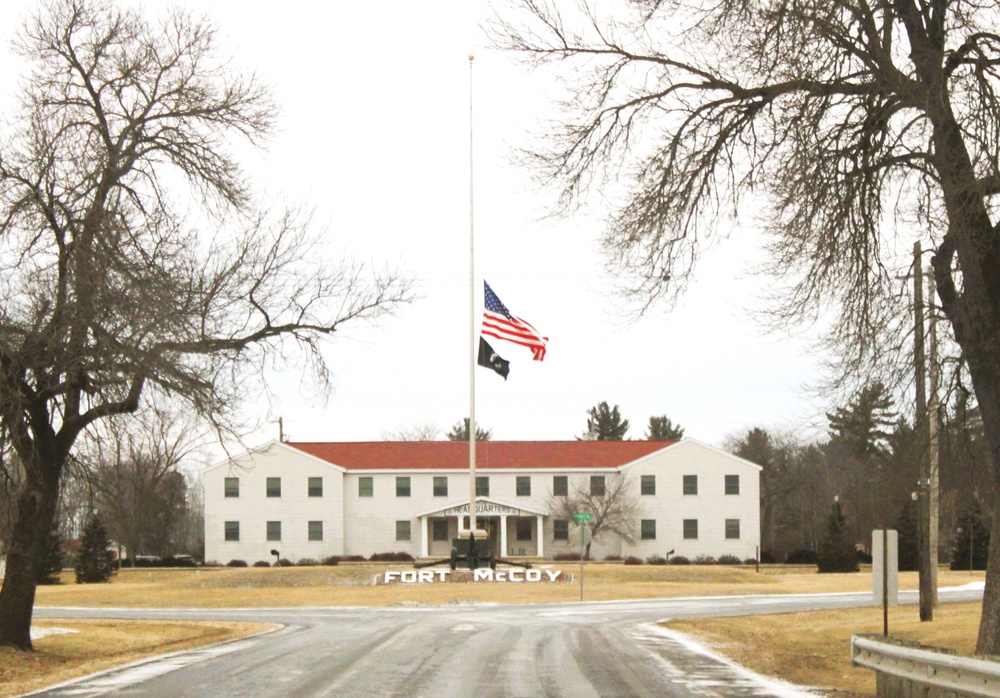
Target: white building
point(313, 500)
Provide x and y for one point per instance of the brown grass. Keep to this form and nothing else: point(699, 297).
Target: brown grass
point(350, 585)
point(813, 649)
point(103, 644)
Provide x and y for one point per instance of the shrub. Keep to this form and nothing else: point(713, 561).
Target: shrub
point(306, 562)
point(353, 558)
point(237, 563)
point(399, 556)
point(632, 560)
point(330, 561)
point(283, 562)
point(728, 560)
point(767, 557)
point(212, 563)
point(801, 557)
point(750, 561)
point(564, 557)
point(679, 560)
point(613, 558)
point(656, 560)
point(259, 563)
point(704, 560)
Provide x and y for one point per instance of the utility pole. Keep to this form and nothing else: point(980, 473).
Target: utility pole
point(933, 426)
point(923, 500)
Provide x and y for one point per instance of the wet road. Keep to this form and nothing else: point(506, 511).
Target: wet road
point(482, 651)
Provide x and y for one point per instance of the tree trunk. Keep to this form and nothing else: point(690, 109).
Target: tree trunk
point(36, 508)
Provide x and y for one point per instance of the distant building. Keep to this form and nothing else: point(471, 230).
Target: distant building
point(313, 500)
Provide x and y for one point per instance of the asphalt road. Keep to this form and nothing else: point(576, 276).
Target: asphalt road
point(481, 651)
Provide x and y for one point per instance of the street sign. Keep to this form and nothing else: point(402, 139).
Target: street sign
point(582, 516)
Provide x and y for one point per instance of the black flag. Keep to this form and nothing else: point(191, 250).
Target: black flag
point(490, 359)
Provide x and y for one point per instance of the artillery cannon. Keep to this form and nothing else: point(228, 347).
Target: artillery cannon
point(472, 552)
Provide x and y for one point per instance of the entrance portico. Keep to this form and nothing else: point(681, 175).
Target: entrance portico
point(513, 529)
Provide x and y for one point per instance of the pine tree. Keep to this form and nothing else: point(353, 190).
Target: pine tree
point(972, 540)
point(836, 551)
point(906, 527)
point(460, 432)
point(662, 429)
point(94, 564)
point(605, 424)
point(51, 568)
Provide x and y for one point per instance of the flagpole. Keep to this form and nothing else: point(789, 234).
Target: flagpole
point(472, 329)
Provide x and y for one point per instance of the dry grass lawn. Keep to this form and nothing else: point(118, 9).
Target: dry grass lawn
point(813, 649)
point(350, 585)
point(104, 644)
point(815, 654)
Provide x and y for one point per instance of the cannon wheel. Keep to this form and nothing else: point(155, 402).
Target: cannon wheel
point(454, 559)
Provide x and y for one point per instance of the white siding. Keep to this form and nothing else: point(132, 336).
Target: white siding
point(253, 509)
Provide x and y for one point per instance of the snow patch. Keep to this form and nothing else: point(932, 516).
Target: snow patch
point(763, 685)
point(37, 633)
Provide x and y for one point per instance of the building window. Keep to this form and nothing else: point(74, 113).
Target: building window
point(732, 484)
point(274, 530)
point(274, 487)
point(560, 529)
point(440, 486)
point(690, 484)
point(732, 529)
point(315, 487)
point(648, 529)
point(524, 527)
point(523, 484)
point(402, 530)
point(439, 530)
point(560, 486)
point(597, 486)
point(482, 486)
point(232, 488)
point(315, 530)
point(366, 486)
point(690, 529)
point(647, 485)
point(233, 530)
point(403, 488)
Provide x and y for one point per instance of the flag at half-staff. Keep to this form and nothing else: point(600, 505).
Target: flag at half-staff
point(500, 323)
point(490, 359)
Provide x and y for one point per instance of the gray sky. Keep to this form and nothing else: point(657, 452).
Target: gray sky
point(374, 136)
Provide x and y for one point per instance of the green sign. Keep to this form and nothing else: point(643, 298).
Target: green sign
point(581, 517)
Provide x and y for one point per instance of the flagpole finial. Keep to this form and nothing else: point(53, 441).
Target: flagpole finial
point(471, 58)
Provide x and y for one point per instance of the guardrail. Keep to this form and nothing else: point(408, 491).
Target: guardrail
point(907, 669)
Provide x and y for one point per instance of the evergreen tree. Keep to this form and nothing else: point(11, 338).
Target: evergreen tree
point(605, 424)
point(971, 546)
point(836, 551)
point(662, 429)
point(51, 568)
point(906, 527)
point(94, 563)
point(460, 432)
point(865, 425)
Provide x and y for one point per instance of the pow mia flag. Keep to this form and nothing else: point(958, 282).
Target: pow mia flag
point(490, 359)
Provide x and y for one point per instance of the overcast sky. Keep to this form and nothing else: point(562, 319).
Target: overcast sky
point(374, 135)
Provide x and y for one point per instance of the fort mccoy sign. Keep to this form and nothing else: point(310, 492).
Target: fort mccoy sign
point(481, 575)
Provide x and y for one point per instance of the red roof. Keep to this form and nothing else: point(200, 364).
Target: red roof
point(500, 455)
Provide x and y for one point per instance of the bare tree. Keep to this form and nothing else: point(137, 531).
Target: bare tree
point(424, 431)
point(132, 466)
point(135, 264)
point(867, 124)
point(613, 508)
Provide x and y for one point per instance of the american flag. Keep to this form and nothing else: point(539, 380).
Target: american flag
point(498, 322)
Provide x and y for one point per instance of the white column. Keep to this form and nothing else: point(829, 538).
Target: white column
point(503, 535)
point(425, 544)
point(541, 536)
